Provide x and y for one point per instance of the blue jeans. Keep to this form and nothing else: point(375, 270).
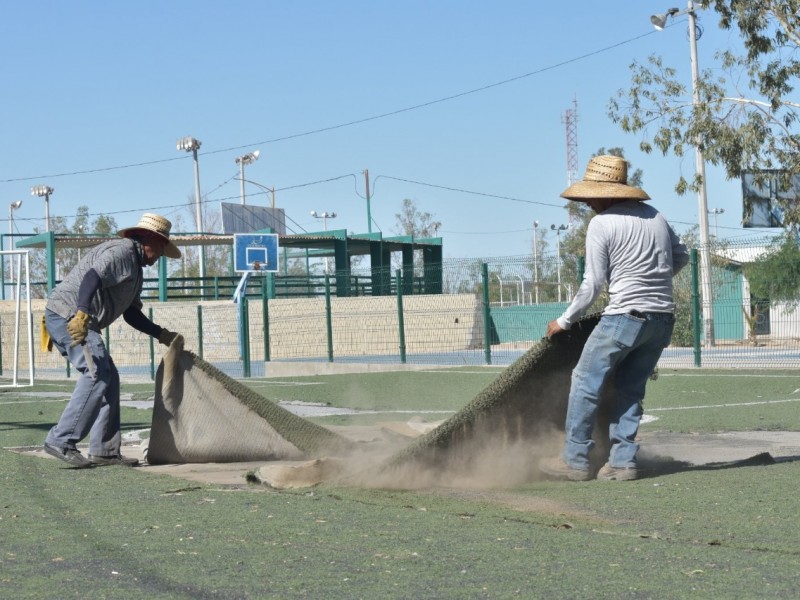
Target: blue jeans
point(93, 408)
point(625, 348)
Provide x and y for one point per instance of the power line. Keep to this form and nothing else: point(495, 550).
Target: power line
point(463, 191)
point(348, 123)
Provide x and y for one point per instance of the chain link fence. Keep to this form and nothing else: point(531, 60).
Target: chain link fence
point(489, 313)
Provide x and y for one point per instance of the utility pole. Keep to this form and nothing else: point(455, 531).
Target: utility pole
point(369, 214)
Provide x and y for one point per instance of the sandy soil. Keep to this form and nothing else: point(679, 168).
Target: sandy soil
point(661, 453)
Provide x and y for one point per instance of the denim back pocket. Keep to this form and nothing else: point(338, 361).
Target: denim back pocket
point(627, 330)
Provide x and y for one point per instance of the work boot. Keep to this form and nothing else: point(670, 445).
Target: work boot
point(113, 460)
point(70, 456)
point(557, 468)
point(609, 473)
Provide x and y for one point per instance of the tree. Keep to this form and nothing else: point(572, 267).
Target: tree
point(410, 221)
point(775, 276)
point(745, 116)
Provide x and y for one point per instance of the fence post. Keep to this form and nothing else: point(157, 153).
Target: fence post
point(265, 318)
point(487, 324)
point(696, 329)
point(245, 337)
point(581, 270)
point(400, 323)
point(328, 318)
point(162, 280)
point(152, 349)
point(200, 331)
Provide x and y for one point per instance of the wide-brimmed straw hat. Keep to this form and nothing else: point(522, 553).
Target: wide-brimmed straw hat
point(152, 223)
point(606, 179)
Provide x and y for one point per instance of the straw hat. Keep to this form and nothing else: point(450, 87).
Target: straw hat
point(607, 179)
point(152, 223)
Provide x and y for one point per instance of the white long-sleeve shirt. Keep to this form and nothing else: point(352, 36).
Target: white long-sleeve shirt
point(631, 247)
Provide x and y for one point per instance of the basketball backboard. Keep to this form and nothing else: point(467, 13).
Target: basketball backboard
point(255, 252)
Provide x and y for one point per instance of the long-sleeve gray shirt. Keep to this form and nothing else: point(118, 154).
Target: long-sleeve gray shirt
point(631, 247)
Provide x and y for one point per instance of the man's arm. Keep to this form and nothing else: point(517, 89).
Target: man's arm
point(136, 319)
point(594, 277)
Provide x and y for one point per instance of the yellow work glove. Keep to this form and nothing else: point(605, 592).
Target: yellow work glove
point(46, 341)
point(166, 337)
point(78, 328)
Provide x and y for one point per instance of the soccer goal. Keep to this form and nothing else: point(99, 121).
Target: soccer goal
point(20, 288)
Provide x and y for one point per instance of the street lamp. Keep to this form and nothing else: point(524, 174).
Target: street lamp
point(324, 216)
point(659, 21)
point(190, 144)
point(11, 208)
point(558, 229)
point(715, 212)
point(246, 159)
point(44, 191)
point(535, 262)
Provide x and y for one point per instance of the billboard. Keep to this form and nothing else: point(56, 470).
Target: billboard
point(247, 218)
point(763, 202)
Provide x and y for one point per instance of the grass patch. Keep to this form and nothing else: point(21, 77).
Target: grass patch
point(113, 532)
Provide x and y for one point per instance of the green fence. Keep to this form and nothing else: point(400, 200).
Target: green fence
point(489, 313)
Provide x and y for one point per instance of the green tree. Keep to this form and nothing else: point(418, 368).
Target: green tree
point(746, 114)
point(775, 276)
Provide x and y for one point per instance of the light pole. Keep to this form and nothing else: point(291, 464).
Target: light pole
point(369, 213)
point(11, 208)
point(324, 216)
point(715, 212)
point(243, 160)
point(80, 231)
point(190, 144)
point(659, 22)
point(44, 191)
point(558, 229)
point(536, 262)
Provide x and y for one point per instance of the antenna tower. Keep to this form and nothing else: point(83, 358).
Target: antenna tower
point(570, 120)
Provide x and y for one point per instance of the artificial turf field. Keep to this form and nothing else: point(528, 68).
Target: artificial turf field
point(113, 532)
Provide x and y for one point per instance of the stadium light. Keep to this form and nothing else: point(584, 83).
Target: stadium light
point(190, 144)
point(659, 21)
point(246, 159)
point(44, 191)
point(324, 216)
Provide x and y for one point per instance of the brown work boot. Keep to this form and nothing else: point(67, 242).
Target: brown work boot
point(556, 467)
point(609, 473)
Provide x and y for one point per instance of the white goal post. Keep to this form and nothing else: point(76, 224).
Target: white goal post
point(20, 284)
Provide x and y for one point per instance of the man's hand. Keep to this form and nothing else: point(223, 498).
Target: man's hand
point(553, 328)
point(78, 328)
point(166, 337)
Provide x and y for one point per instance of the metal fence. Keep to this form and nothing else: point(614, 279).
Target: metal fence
point(489, 313)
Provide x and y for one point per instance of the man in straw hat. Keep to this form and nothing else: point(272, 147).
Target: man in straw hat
point(630, 246)
point(103, 286)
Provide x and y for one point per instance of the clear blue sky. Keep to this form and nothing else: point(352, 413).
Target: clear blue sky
point(445, 95)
